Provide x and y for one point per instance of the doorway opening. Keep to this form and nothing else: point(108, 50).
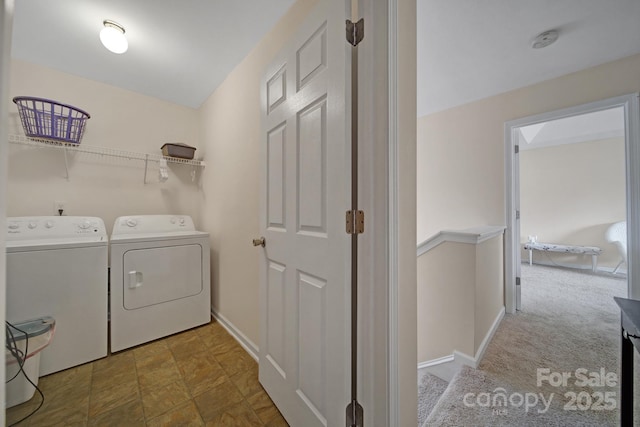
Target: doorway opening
point(571, 193)
point(522, 132)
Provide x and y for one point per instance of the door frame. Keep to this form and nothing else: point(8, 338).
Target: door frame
point(6, 19)
point(387, 322)
point(402, 212)
point(631, 111)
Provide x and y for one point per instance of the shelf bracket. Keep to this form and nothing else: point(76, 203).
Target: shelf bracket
point(66, 163)
point(146, 165)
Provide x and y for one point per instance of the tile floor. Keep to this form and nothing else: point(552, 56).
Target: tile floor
point(195, 378)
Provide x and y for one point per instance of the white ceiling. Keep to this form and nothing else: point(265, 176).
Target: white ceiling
point(181, 51)
point(472, 49)
point(583, 128)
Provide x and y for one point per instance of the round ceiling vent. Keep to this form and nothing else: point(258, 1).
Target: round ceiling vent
point(544, 39)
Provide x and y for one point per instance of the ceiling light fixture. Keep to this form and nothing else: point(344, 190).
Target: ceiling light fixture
point(112, 37)
point(545, 39)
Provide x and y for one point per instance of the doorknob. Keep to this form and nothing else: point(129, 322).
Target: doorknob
point(259, 242)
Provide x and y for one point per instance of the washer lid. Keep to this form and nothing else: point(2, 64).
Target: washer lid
point(54, 232)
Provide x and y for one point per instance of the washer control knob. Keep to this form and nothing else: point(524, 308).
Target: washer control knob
point(84, 225)
point(13, 226)
point(181, 221)
point(48, 224)
point(32, 225)
point(173, 220)
point(132, 222)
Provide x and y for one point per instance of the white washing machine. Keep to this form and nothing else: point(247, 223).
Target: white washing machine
point(159, 278)
point(57, 266)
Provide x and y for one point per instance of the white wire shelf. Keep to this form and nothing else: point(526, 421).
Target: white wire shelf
point(104, 151)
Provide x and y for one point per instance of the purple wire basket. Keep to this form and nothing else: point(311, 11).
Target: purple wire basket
point(50, 120)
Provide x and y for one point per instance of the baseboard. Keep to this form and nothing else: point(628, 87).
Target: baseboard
point(465, 359)
point(474, 361)
point(242, 339)
point(487, 338)
point(443, 367)
point(435, 362)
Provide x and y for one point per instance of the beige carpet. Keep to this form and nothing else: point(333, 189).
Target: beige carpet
point(568, 321)
point(430, 388)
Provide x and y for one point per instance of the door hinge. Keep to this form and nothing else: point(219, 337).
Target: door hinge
point(355, 415)
point(517, 281)
point(355, 32)
point(517, 214)
point(355, 222)
point(516, 148)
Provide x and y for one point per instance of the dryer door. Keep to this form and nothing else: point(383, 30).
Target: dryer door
point(158, 275)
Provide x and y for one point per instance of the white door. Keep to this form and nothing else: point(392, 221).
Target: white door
point(305, 288)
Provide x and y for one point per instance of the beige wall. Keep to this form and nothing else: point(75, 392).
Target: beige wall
point(230, 134)
point(570, 194)
point(100, 186)
point(489, 295)
point(446, 278)
point(461, 150)
point(460, 294)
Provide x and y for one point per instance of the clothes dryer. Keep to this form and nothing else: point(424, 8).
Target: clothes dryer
point(159, 278)
point(57, 266)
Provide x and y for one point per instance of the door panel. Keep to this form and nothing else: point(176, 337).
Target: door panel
point(276, 196)
point(311, 58)
point(311, 147)
point(276, 333)
point(311, 312)
point(277, 89)
point(305, 266)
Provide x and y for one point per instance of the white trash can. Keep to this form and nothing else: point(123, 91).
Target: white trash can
point(25, 341)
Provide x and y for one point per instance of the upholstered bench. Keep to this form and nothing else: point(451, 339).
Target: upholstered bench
point(594, 251)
